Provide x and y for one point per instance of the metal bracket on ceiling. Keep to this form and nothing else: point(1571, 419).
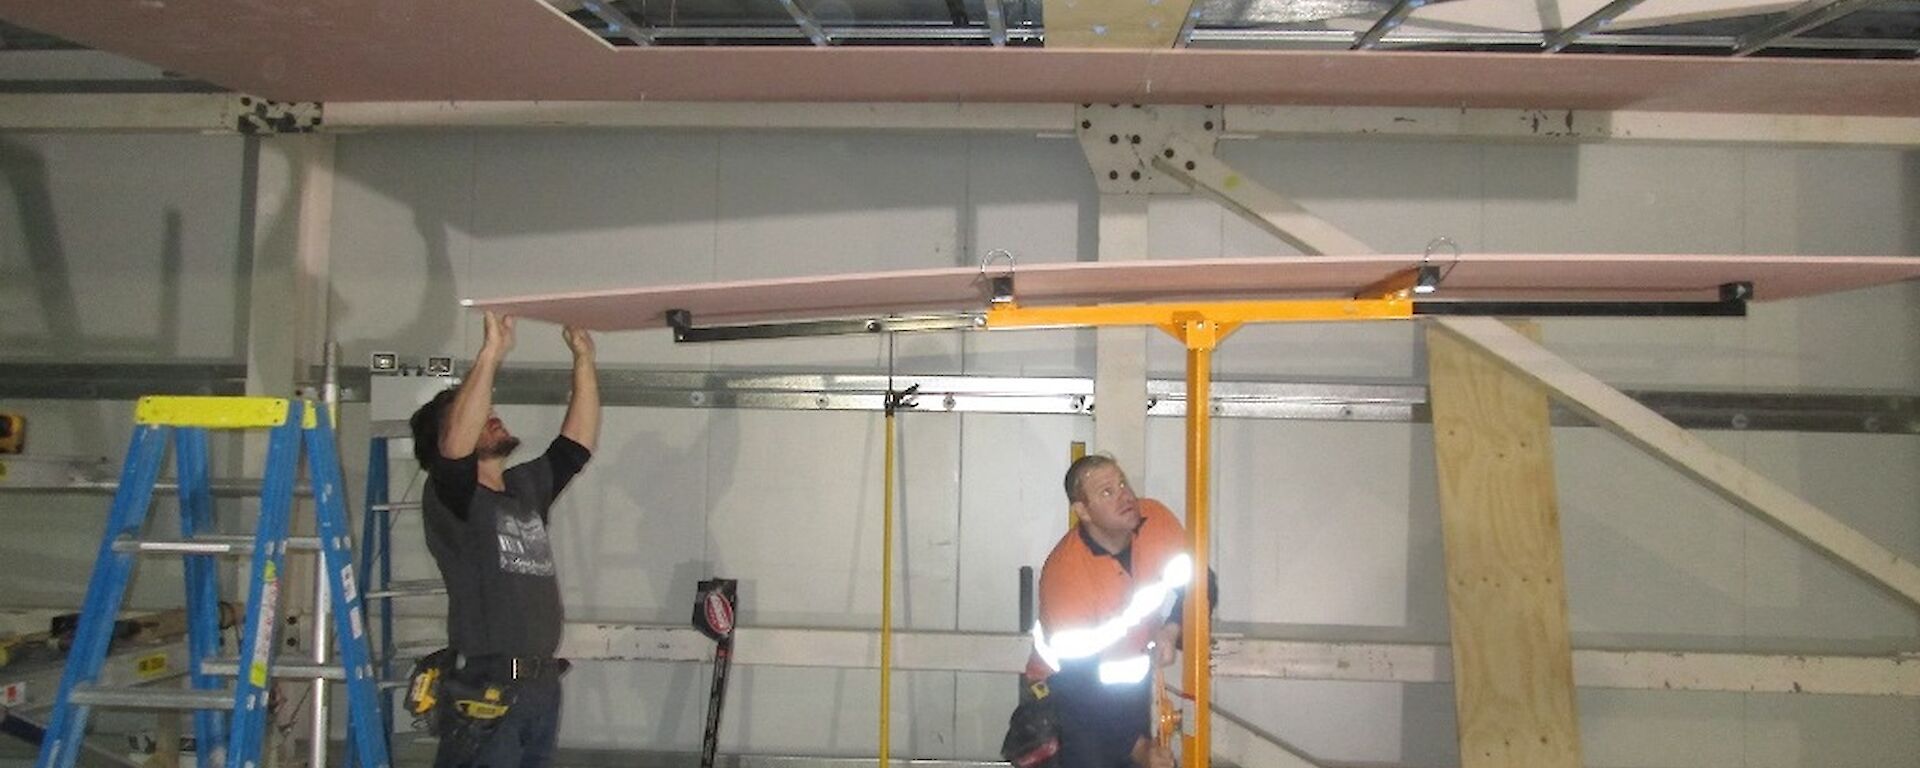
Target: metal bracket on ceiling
point(1120, 140)
point(260, 117)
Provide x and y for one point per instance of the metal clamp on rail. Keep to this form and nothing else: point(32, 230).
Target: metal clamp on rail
point(999, 287)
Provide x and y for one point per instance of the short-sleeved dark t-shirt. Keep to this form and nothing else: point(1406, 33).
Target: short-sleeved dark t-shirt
point(494, 553)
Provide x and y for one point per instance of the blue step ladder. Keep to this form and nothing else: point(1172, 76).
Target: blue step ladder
point(229, 724)
point(376, 557)
point(376, 564)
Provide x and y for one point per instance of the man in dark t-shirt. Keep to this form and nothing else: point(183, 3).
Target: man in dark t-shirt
point(486, 526)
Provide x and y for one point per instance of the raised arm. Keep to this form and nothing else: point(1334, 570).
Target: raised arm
point(468, 414)
point(582, 424)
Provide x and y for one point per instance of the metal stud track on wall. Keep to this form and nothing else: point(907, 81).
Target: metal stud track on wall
point(1322, 400)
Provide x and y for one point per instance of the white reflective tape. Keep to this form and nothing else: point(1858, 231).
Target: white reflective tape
point(1148, 601)
point(1178, 573)
point(1125, 671)
point(1043, 650)
point(1144, 601)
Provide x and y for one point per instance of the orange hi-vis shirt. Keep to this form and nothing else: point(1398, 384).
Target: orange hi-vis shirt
point(1081, 588)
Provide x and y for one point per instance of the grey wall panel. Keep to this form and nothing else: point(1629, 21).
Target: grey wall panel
point(1797, 598)
point(1393, 196)
point(401, 243)
point(121, 247)
point(1665, 728)
point(1821, 730)
point(1653, 560)
point(630, 539)
point(629, 705)
point(791, 710)
point(1013, 508)
point(797, 516)
point(769, 710)
point(1358, 723)
point(1320, 511)
point(984, 703)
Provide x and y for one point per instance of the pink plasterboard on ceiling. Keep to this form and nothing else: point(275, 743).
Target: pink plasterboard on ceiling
point(516, 50)
point(1477, 276)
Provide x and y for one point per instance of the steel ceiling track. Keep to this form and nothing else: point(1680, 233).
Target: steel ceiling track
point(1820, 29)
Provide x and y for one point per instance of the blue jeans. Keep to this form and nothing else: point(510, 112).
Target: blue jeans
point(523, 738)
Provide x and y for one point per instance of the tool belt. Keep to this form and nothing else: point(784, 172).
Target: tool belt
point(513, 669)
point(451, 699)
point(1033, 732)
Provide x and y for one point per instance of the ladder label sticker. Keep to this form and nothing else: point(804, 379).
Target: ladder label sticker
point(14, 695)
point(347, 592)
point(353, 621)
point(263, 627)
point(151, 666)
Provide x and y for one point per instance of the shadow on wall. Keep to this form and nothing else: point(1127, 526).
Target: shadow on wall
point(56, 289)
point(668, 550)
point(413, 313)
point(51, 275)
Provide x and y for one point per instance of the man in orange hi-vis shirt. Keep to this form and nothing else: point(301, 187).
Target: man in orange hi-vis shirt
point(1109, 611)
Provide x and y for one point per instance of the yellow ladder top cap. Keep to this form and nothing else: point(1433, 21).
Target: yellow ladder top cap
point(211, 412)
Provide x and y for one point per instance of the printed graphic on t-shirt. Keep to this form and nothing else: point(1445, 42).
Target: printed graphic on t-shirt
point(524, 548)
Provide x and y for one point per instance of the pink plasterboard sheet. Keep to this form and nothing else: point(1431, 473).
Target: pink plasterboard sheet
point(1478, 276)
point(526, 50)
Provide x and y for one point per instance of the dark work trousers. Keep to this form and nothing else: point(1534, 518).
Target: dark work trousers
point(524, 737)
point(1099, 723)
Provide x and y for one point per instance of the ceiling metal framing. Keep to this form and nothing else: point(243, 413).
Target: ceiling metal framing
point(1821, 28)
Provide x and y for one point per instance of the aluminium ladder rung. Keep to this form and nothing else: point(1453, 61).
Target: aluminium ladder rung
point(414, 588)
point(290, 671)
point(398, 506)
point(212, 544)
point(151, 698)
point(225, 489)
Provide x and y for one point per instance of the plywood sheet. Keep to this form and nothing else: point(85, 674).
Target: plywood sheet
point(1506, 581)
point(1482, 276)
point(1114, 23)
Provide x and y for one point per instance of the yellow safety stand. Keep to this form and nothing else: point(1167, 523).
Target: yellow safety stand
point(1201, 326)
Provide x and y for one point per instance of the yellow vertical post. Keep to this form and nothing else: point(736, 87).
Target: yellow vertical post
point(1201, 336)
point(886, 601)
